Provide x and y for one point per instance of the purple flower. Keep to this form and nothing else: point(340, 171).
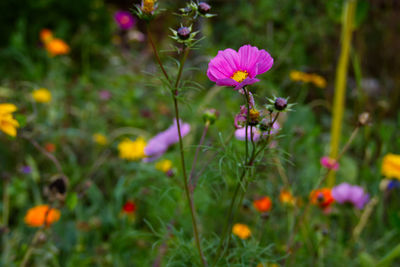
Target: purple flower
point(25, 169)
point(238, 69)
point(240, 133)
point(350, 193)
point(124, 19)
point(104, 95)
point(159, 144)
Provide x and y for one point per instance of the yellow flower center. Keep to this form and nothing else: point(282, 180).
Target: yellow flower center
point(148, 6)
point(240, 76)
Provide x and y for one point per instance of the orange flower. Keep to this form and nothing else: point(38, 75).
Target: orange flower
point(57, 47)
point(36, 216)
point(50, 147)
point(46, 35)
point(322, 197)
point(241, 230)
point(286, 197)
point(263, 204)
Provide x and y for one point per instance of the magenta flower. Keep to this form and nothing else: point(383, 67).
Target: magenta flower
point(124, 19)
point(330, 164)
point(238, 69)
point(346, 193)
point(240, 134)
point(159, 144)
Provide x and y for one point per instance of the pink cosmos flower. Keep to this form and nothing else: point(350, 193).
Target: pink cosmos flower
point(159, 144)
point(124, 19)
point(330, 164)
point(240, 134)
point(346, 193)
point(238, 69)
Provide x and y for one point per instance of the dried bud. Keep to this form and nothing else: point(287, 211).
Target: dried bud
point(280, 103)
point(41, 238)
point(148, 6)
point(254, 116)
point(364, 118)
point(265, 215)
point(204, 8)
point(183, 33)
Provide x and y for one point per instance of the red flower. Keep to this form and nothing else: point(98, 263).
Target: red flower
point(322, 197)
point(50, 147)
point(129, 207)
point(263, 204)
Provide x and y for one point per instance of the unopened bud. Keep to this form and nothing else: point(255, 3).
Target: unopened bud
point(183, 33)
point(210, 115)
point(280, 103)
point(204, 8)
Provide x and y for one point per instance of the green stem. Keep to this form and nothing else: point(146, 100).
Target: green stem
point(340, 82)
point(153, 46)
point(192, 180)
point(182, 155)
point(185, 178)
point(5, 203)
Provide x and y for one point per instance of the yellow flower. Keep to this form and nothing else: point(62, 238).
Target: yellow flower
point(7, 123)
point(41, 95)
point(164, 165)
point(100, 139)
point(132, 150)
point(40, 215)
point(286, 197)
point(391, 166)
point(148, 6)
point(57, 47)
point(296, 76)
point(317, 80)
point(241, 230)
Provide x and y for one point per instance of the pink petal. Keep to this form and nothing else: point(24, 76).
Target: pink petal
point(248, 59)
point(265, 62)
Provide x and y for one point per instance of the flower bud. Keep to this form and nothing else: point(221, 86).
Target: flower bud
point(183, 33)
point(210, 115)
point(280, 103)
point(364, 118)
point(204, 8)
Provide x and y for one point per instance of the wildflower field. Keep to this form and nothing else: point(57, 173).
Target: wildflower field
point(200, 133)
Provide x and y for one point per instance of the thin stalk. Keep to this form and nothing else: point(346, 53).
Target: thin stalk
point(153, 46)
point(182, 155)
point(192, 180)
point(6, 203)
point(185, 179)
point(340, 82)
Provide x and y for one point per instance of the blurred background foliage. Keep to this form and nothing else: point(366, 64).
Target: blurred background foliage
point(300, 35)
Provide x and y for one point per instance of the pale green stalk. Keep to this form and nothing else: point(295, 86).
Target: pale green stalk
point(340, 82)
